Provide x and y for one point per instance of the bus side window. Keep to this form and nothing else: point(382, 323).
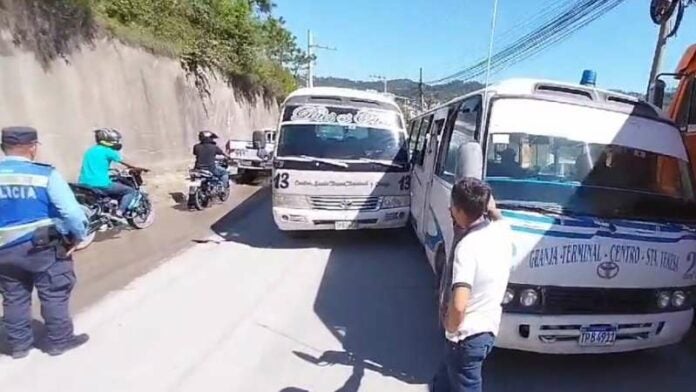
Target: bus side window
point(419, 152)
point(465, 129)
point(413, 135)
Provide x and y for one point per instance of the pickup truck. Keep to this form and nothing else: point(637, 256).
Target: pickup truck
point(252, 159)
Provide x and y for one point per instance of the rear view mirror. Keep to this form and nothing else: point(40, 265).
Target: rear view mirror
point(259, 139)
point(658, 93)
point(469, 161)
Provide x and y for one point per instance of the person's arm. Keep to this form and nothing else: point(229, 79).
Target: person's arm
point(457, 307)
point(118, 158)
point(463, 273)
point(220, 152)
point(494, 214)
point(62, 197)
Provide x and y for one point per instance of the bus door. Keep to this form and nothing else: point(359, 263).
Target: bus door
point(424, 166)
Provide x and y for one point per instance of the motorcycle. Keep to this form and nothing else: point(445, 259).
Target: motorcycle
point(101, 209)
point(204, 187)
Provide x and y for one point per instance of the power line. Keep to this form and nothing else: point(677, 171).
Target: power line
point(568, 19)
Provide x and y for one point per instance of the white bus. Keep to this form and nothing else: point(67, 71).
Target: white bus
point(596, 188)
point(341, 162)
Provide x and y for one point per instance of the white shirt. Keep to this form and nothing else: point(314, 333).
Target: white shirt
point(482, 262)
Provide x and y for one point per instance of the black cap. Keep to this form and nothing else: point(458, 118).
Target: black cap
point(14, 136)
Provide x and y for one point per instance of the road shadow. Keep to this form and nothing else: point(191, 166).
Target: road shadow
point(382, 309)
point(251, 223)
point(664, 369)
point(38, 330)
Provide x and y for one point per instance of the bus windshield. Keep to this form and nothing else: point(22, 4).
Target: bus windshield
point(343, 133)
point(585, 178)
point(349, 142)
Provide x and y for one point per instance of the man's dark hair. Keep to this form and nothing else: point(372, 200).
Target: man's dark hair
point(471, 195)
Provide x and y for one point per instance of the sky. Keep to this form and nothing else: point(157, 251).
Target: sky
point(395, 37)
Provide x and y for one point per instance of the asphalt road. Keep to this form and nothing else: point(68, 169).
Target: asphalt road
point(250, 309)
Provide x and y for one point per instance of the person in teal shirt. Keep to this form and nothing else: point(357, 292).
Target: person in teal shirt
point(97, 162)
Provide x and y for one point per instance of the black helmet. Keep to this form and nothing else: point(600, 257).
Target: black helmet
point(108, 137)
point(207, 136)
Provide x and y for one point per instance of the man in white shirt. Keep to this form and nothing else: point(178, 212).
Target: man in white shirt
point(480, 273)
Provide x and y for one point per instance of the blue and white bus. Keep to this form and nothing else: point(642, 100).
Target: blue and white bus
point(604, 256)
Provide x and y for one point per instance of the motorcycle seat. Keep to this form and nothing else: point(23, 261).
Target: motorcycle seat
point(202, 173)
point(78, 188)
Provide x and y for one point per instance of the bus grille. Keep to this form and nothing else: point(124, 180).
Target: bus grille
point(343, 203)
point(575, 300)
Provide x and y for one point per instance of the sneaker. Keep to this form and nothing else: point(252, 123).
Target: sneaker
point(19, 354)
point(74, 342)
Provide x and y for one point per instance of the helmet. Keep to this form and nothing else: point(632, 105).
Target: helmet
point(108, 137)
point(206, 136)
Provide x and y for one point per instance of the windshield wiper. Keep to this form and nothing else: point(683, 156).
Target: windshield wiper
point(307, 158)
point(382, 162)
point(531, 206)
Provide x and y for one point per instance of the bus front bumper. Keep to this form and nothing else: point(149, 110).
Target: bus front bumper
point(560, 334)
point(290, 219)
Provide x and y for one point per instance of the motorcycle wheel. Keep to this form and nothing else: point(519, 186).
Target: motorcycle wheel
point(198, 200)
point(224, 193)
point(87, 241)
point(145, 215)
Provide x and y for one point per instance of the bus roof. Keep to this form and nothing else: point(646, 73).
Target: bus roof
point(344, 93)
point(569, 92)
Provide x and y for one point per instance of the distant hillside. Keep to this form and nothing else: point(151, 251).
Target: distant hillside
point(406, 88)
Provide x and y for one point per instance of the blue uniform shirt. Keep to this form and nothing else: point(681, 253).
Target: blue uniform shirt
point(28, 208)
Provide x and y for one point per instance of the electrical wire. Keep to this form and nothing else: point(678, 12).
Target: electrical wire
point(567, 18)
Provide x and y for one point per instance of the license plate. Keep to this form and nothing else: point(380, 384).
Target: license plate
point(239, 153)
point(346, 225)
point(233, 170)
point(194, 183)
point(597, 336)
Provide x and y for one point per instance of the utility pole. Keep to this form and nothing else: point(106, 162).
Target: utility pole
point(310, 53)
point(657, 57)
point(310, 73)
point(421, 98)
point(383, 79)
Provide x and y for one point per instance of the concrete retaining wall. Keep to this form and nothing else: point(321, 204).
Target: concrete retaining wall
point(109, 84)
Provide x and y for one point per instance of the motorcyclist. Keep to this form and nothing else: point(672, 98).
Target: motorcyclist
point(96, 164)
point(206, 152)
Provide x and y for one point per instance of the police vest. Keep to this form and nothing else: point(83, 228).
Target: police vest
point(24, 201)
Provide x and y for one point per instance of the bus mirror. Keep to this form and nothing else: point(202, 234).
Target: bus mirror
point(658, 93)
point(259, 139)
point(469, 161)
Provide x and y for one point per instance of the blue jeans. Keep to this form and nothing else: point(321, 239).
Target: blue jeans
point(121, 192)
point(461, 369)
point(222, 174)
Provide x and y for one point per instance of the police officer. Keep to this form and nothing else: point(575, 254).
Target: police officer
point(39, 220)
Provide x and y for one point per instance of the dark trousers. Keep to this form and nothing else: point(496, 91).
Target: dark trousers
point(121, 192)
point(461, 368)
point(21, 270)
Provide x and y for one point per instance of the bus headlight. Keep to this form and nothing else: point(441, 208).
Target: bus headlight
point(529, 297)
point(509, 296)
point(663, 299)
point(290, 201)
point(396, 201)
point(678, 299)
